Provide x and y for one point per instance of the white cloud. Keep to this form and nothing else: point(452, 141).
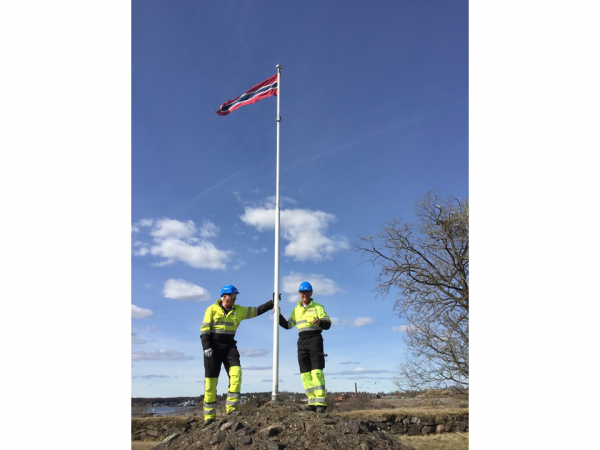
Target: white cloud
point(303, 228)
point(160, 355)
point(165, 228)
point(320, 284)
point(362, 321)
point(402, 328)
point(178, 289)
point(141, 223)
point(140, 313)
point(176, 241)
point(254, 353)
point(335, 321)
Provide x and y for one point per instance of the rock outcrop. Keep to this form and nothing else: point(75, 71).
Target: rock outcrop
point(285, 426)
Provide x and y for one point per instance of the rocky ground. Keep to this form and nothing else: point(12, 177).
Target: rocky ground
point(283, 426)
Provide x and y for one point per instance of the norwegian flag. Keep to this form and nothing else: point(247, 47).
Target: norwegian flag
point(254, 94)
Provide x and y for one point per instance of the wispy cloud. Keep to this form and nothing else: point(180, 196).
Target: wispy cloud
point(258, 368)
point(304, 229)
point(140, 313)
point(360, 371)
point(349, 362)
point(173, 240)
point(402, 328)
point(208, 230)
point(262, 250)
point(179, 289)
point(361, 377)
point(135, 339)
point(148, 377)
point(239, 265)
point(160, 355)
point(254, 353)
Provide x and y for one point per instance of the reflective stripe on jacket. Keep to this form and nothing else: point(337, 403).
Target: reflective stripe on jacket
point(303, 317)
point(217, 322)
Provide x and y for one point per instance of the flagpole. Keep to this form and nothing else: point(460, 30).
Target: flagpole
point(276, 289)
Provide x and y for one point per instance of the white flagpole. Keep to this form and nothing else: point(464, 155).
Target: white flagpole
point(276, 289)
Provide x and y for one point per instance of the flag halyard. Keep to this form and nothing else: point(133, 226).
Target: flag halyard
point(252, 95)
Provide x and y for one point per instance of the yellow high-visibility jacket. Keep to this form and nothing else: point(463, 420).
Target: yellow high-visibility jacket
point(302, 317)
point(220, 325)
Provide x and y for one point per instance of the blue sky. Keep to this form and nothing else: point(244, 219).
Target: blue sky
point(374, 106)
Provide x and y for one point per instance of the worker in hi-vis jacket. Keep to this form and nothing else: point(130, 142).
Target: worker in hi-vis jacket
point(311, 319)
point(221, 320)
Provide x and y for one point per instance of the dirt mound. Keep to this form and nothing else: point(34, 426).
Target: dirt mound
point(283, 426)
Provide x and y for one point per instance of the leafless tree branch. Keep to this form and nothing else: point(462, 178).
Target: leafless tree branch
point(426, 265)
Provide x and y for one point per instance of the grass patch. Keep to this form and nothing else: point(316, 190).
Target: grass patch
point(445, 441)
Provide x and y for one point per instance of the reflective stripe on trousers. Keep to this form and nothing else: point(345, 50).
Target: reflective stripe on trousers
point(235, 386)
point(210, 398)
point(314, 387)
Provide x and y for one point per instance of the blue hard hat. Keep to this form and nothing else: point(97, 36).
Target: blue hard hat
point(229, 289)
point(305, 286)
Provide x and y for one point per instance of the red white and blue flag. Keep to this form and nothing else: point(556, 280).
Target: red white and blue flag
point(252, 95)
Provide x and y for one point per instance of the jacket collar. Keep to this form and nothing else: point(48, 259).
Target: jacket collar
point(302, 304)
point(220, 303)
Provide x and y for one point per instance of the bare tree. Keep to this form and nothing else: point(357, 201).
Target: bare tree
point(426, 264)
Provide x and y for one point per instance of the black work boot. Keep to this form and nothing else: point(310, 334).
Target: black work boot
point(308, 408)
point(207, 422)
point(321, 409)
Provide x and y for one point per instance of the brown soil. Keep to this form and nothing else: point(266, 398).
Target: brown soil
point(283, 426)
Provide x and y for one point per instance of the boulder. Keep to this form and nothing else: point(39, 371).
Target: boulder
point(245, 431)
point(171, 437)
point(269, 431)
point(414, 430)
point(354, 426)
point(217, 438)
point(236, 426)
point(245, 440)
point(398, 428)
point(427, 429)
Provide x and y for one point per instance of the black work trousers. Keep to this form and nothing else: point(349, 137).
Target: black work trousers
point(310, 351)
point(224, 353)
